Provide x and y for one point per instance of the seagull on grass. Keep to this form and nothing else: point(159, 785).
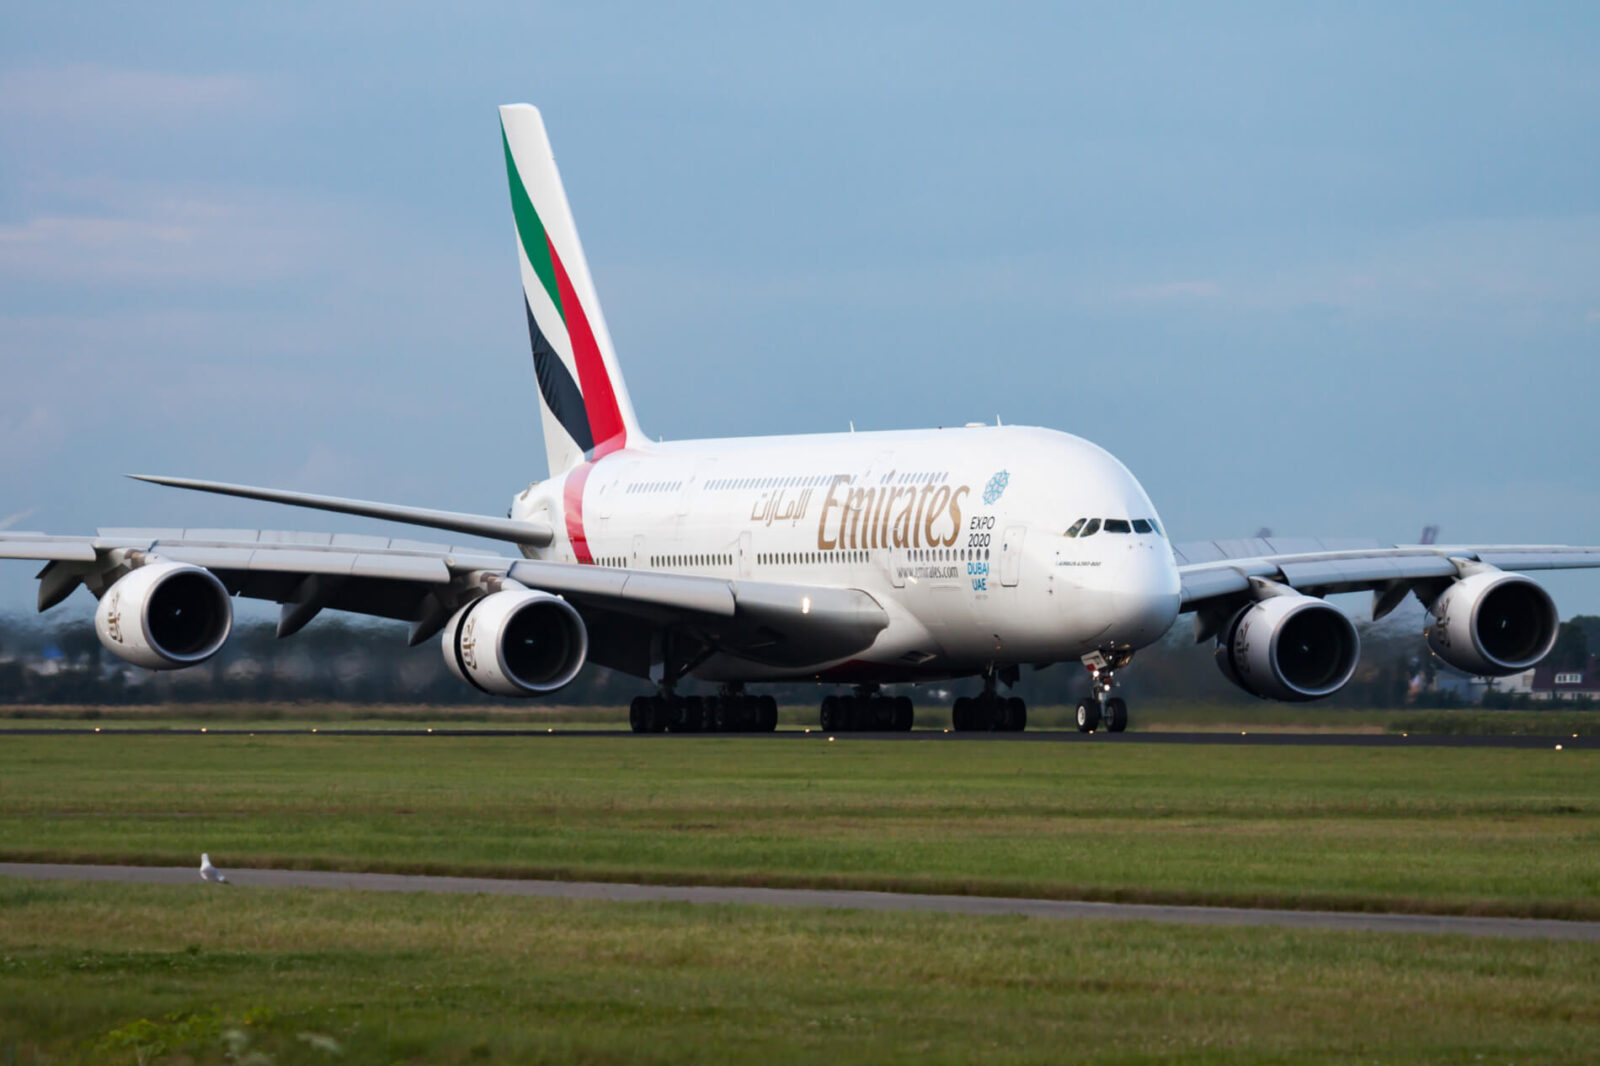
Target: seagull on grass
point(209, 872)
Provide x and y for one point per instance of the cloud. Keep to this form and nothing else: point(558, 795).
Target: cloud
point(87, 93)
point(134, 236)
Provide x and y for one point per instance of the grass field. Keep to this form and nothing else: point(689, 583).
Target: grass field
point(126, 974)
point(208, 974)
point(1431, 829)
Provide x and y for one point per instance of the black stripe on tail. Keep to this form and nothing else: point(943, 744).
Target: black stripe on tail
point(560, 392)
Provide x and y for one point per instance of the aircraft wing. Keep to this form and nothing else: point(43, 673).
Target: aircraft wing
point(1218, 572)
point(425, 584)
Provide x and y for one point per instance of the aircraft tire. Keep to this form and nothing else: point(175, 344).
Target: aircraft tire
point(830, 714)
point(1088, 714)
point(904, 714)
point(961, 714)
point(639, 714)
point(1016, 715)
point(1116, 716)
point(767, 717)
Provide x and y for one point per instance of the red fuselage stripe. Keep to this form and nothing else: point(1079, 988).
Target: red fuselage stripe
point(572, 505)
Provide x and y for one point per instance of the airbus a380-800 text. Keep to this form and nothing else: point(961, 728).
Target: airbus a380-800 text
point(853, 559)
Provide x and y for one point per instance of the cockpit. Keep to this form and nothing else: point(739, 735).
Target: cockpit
point(1088, 527)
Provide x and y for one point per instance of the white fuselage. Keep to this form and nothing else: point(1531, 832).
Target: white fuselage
point(960, 534)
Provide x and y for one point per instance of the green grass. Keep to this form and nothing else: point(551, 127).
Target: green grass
point(103, 973)
point(1431, 829)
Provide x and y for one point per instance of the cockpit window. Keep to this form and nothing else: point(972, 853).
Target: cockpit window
point(1076, 528)
point(1117, 525)
point(1157, 527)
point(1141, 525)
point(1091, 529)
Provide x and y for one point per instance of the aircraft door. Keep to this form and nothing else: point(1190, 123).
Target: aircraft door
point(1011, 555)
point(897, 569)
point(746, 556)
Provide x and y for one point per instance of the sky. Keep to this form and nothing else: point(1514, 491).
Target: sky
point(1333, 269)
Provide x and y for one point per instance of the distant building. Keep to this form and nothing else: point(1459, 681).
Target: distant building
point(1545, 682)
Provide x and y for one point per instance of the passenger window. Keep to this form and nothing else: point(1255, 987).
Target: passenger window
point(1118, 525)
point(1076, 528)
point(1091, 529)
point(1141, 525)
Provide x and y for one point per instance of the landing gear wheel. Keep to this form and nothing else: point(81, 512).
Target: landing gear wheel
point(1116, 714)
point(961, 714)
point(1016, 715)
point(766, 714)
point(904, 714)
point(830, 714)
point(1088, 714)
point(656, 720)
point(639, 714)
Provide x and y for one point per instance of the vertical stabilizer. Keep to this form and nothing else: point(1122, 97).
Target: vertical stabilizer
point(581, 394)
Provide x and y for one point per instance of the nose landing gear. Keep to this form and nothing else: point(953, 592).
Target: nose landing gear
point(1100, 707)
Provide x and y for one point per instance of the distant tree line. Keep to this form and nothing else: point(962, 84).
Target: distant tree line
point(337, 659)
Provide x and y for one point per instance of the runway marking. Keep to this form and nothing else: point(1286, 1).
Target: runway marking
point(932, 736)
point(1520, 928)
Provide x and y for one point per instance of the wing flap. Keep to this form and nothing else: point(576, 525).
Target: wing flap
point(46, 548)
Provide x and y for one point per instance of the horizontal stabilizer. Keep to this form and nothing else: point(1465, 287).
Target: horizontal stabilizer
point(534, 534)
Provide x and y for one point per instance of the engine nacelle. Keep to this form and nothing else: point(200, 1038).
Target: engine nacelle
point(165, 616)
point(1289, 647)
point(1493, 623)
point(516, 642)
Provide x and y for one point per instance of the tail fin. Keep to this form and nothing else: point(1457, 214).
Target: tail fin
point(581, 394)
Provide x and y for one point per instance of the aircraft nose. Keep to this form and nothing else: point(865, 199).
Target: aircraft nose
point(1147, 599)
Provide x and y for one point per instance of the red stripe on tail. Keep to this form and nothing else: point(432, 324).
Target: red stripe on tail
point(599, 400)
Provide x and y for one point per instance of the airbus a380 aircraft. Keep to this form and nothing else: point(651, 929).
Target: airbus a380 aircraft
point(859, 559)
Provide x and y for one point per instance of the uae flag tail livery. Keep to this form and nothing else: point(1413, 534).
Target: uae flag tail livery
point(581, 395)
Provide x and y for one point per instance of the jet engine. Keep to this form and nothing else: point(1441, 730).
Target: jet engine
point(1289, 647)
point(165, 616)
point(516, 642)
point(1492, 623)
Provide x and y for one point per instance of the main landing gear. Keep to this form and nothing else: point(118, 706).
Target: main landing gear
point(989, 711)
point(1100, 707)
point(729, 711)
point(866, 711)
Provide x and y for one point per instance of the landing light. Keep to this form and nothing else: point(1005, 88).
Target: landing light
point(805, 604)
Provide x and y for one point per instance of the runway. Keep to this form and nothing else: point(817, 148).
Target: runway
point(1519, 928)
point(1239, 739)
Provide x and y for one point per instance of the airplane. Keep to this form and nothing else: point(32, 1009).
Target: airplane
point(849, 559)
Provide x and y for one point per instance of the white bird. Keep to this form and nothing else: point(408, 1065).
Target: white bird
point(209, 872)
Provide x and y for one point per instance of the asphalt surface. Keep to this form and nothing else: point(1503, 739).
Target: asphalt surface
point(1246, 738)
point(1520, 928)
